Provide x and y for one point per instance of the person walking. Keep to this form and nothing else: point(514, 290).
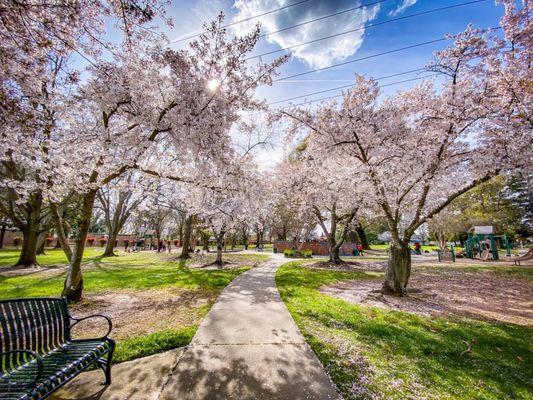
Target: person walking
point(159, 245)
point(360, 249)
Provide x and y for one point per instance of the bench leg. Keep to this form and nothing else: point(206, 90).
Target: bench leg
point(109, 361)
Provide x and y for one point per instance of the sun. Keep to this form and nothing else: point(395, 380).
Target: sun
point(213, 84)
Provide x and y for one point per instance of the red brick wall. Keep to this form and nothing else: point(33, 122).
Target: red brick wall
point(318, 248)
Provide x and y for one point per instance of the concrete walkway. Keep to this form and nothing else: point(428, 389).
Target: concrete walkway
point(248, 347)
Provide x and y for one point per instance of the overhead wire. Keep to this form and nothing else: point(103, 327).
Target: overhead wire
point(362, 27)
point(241, 21)
point(323, 17)
point(345, 86)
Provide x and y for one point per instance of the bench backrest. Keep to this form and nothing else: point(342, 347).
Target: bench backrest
point(38, 324)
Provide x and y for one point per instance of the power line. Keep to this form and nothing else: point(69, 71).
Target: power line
point(371, 25)
point(362, 58)
point(323, 17)
point(340, 95)
point(346, 86)
point(242, 20)
point(371, 56)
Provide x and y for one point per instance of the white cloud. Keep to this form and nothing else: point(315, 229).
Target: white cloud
point(317, 55)
point(402, 7)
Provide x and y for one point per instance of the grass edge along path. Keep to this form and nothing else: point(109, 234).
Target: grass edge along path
point(136, 272)
point(374, 353)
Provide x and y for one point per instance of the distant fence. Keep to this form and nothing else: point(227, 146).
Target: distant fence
point(318, 248)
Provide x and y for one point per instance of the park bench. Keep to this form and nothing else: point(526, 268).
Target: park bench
point(37, 352)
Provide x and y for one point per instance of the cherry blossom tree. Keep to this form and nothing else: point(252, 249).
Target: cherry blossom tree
point(149, 99)
point(118, 200)
point(421, 149)
point(327, 188)
point(39, 42)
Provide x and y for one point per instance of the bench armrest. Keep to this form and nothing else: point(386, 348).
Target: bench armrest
point(77, 320)
point(40, 367)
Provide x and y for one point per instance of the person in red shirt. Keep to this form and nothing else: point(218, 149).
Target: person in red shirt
point(360, 248)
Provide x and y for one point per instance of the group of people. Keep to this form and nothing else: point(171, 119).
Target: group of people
point(161, 245)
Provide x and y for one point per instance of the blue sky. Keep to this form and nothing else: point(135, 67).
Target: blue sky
point(189, 15)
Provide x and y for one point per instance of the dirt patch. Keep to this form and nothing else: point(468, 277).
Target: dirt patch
point(17, 271)
point(136, 313)
point(350, 266)
point(478, 295)
point(206, 261)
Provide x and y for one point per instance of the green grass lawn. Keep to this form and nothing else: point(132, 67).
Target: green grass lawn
point(132, 273)
point(370, 352)
point(9, 257)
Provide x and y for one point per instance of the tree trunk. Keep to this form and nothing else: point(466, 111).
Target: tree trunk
point(185, 246)
point(180, 237)
point(73, 288)
point(245, 238)
point(334, 256)
point(30, 233)
point(28, 254)
point(40, 243)
point(260, 234)
point(62, 239)
point(398, 269)
point(353, 236)
point(110, 245)
point(220, 245)
point(362, 235)
point(205, 242)
point(2, 235)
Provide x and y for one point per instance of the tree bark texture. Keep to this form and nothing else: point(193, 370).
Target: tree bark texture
point(73, 288)
point(398, 269)
point(185, 246)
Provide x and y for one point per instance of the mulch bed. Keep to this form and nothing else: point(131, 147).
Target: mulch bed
point(479, 295)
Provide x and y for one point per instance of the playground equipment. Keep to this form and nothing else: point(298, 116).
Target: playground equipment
point(525, 257)
point(483, 243)
point(446, 254)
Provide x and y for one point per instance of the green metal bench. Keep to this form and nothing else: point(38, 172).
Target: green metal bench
point(37, 352)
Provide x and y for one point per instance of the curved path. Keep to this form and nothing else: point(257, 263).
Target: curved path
point(248, 347)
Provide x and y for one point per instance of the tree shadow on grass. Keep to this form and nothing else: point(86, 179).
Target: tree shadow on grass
point(474, 356)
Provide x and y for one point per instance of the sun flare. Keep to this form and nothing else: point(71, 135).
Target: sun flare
point(213, 84)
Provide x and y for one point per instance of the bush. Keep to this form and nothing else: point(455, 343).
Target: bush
point(17, 241)
point(288, 253)
point(307, 254)
point(297, 253)
point(90, 241)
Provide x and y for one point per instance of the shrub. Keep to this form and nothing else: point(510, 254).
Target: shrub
point(288, 253)
point(90, 241)
point(307, 254)
point(17, 241)
point(103, 241)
